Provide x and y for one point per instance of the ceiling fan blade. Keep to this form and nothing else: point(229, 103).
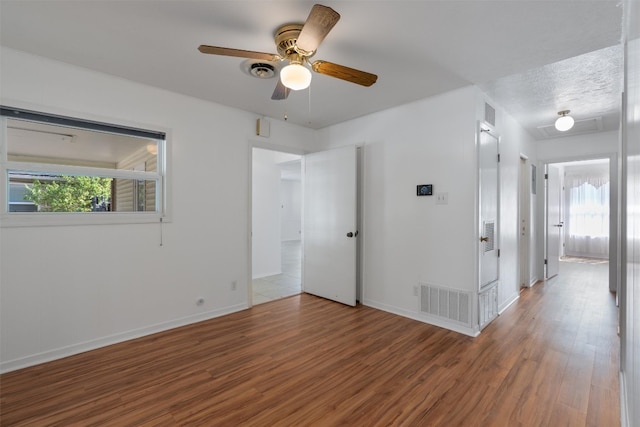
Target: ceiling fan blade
point(320, 21)
point(280, 92)
point(345, 73)
point(215, 50)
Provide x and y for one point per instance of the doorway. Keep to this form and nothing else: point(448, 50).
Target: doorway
point(579, 219)
point(276, 225)
point(323, 243)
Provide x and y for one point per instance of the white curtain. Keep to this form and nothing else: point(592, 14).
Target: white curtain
point(587, 232)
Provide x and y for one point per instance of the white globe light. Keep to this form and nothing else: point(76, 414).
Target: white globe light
point(564, 123)
point(295, 76)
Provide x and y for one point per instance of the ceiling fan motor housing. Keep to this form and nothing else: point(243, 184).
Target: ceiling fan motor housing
point(286, 37)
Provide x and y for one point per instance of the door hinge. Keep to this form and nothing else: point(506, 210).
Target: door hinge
point(498, 253)
point(546, 176)
point(498, 158)
point(545, 262)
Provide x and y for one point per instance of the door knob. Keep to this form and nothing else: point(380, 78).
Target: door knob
point(484, 239)
point(349, 234)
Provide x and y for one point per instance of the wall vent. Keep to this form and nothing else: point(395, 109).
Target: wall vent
point(488, 305)
point(489, 114)
point(448, 304)
point(489, 232)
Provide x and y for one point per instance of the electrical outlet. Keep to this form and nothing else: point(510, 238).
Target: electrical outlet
point(234, 285)
point(200, 301)
point(442, 198)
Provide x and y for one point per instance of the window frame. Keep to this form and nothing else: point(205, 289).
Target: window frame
point(28, 219)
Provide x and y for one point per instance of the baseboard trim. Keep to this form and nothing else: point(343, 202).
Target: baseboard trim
point(59, 353)
point(537, 282)
point(421, 317)
point(624, 404)
point(508, 304)
point(260, 276)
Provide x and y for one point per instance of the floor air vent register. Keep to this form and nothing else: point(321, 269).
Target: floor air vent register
point(449, 304)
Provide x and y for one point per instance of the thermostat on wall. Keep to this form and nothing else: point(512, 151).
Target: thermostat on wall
point(425, 190)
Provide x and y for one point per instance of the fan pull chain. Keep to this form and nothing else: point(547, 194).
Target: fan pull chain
point(309, 105)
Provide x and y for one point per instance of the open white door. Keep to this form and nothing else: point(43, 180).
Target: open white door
point(554, 221)
point(329, 224)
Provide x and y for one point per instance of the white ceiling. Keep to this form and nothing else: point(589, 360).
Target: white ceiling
point(534, 57)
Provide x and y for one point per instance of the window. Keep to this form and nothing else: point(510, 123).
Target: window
point(589, 210)
point(17, 196)
point(57, 167)
point(587, 217)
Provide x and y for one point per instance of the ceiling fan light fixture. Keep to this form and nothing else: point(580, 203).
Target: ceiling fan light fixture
point(564, 122)
point(295, 76)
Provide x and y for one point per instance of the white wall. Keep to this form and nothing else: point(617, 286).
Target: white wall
point(266, 224)
point(57, 300)
point(407, 239)
point(291, 204)
point(276, 209)
point(580, 147)
point(630, 295)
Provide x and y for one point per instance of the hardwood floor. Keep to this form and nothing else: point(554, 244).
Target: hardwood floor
point(550, 360)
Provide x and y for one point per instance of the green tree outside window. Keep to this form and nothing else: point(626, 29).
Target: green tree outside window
point(70, 194)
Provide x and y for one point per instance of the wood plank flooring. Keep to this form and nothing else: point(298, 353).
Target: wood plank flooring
point(550, 360)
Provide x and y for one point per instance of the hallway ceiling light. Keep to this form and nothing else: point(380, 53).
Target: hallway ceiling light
point(564, 122)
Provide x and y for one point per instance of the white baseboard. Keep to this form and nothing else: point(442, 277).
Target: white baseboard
point(534, 281)
point(420, 317)
point(59, 353)
point(508, 304)
point(261, 275)
point(624, 403)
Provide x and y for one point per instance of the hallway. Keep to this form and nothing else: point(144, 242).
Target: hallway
point(567, 328)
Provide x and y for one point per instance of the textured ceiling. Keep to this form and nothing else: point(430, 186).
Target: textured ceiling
point(417, 48)
point(589, 85)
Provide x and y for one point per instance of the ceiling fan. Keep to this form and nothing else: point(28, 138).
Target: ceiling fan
point(297, 43)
